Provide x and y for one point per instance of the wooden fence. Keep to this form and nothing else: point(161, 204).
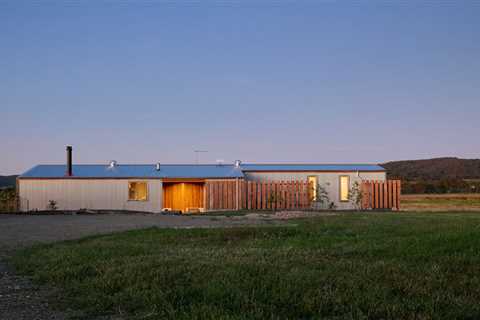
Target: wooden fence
point(254, 195)
point(381, 194)
point(290, 195)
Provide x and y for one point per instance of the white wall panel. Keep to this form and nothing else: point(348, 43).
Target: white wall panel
point(75, 194)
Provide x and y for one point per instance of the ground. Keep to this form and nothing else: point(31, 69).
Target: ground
point(441, 202)
point(348, 265)
point(20, 299)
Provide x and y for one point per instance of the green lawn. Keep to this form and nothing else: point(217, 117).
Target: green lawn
point(350, 266)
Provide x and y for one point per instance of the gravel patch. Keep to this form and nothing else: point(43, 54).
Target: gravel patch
point(20, 299)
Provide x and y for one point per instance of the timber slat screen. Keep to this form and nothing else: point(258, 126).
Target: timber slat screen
point(293, 195)
point(257, 195)
point(381, 194)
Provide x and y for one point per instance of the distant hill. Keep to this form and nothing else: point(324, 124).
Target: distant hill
point(434, 169)
point(7, 181)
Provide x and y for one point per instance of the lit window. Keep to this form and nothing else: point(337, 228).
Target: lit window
point(344, 187)
point(137, 191)
point(313, 182)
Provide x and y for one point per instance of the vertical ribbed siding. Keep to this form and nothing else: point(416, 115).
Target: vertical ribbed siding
point(75, 194)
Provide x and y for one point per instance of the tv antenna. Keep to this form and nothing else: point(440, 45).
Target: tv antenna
point(196, 154)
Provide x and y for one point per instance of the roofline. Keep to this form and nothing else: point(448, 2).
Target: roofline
point(219, 165)
point(139, 164)
point(293, 170)
point(122, 178)
point(309, 164)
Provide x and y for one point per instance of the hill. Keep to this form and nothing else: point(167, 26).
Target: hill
point(7, 181)
point(434, 169)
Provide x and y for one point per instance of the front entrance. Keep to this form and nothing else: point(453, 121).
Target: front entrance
point(183, 196)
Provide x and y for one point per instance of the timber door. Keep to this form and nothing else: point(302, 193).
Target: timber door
point(183, 196)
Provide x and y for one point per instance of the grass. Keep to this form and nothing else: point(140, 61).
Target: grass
point(459, 202)
point(350, 266)
point(224, 213)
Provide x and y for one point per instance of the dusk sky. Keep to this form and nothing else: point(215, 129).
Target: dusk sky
point(261, 82)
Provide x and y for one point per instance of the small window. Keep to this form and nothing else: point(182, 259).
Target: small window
point(344, 187)
point(137, 191)
point(313, 182)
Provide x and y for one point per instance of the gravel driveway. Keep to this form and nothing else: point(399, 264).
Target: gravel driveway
point(20, 299)
point(18, 231)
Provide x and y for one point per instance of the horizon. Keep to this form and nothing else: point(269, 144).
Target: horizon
point(260, 82)
point(232, 163)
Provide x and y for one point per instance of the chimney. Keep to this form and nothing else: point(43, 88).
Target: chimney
point(69, 162)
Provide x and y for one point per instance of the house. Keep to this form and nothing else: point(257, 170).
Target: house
point(185, 187)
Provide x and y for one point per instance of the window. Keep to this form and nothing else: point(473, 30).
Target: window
point(313, 182)
point(137, 191)
point(344, 187)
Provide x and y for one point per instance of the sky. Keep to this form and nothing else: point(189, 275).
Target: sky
point(259, 81)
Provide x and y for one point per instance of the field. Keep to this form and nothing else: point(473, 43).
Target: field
point(348, 266)
point(441, 202)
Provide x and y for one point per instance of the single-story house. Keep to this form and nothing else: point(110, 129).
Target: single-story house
point(156, 187)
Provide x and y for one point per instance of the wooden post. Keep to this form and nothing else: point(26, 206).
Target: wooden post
point(395, 192)
point(385, 193)
point(205, 196)
point(399, 193)
point(236, 194)
point(289, 194)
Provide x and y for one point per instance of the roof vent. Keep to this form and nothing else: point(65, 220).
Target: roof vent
point(220, 162)
point(238, 163)
point(112, 164)
point(157, 166)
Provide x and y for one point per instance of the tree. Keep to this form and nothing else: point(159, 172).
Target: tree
point(355, 195)
point(320, 197)
point(274, 198)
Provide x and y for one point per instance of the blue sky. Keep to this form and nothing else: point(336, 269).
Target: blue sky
point(258, 81)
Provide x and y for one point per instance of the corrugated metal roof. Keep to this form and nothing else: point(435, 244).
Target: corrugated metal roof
point(183, 170)
point(136, 171)
point(311, 167)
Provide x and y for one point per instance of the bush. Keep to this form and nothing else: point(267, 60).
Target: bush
point(7, 200)
point(440, 186)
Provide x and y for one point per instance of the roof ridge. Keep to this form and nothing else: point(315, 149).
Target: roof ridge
point(140, 164)
point(310, 164)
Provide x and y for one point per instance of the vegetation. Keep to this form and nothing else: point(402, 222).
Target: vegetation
point(441, 175)
point(7, 181)
point(320, 198)
point(7, 200)
point(441, 186)
point(456, 202)
point(274, 200)
point(434, 169)
point(355, 196)
point(223, 213)
point(52, 205)
point(376, 266)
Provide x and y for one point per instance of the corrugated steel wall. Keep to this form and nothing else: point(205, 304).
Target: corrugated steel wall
point(75, 194)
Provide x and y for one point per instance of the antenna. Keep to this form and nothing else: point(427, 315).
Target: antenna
point(196, 154)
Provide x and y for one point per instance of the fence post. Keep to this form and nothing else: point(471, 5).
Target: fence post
point(399, 188)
